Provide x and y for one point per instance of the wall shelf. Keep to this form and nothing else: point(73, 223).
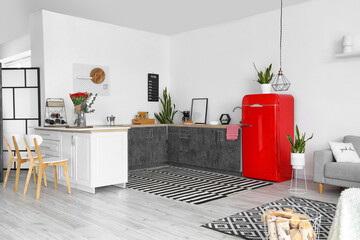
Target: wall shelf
point(348, 55)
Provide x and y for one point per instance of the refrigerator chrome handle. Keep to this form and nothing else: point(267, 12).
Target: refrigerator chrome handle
point(245, 125)
point(256, 105)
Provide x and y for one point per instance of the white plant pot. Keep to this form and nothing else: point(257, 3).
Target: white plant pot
point(298, 160)
point(265, 88)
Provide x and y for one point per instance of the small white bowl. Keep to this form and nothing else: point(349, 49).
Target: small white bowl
point(214, 123)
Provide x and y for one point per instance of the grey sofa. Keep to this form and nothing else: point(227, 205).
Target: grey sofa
point(328, 171)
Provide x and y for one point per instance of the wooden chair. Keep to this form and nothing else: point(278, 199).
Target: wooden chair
point(42, 163)
point(19, 160)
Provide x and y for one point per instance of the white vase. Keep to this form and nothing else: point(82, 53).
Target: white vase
point(298, 160)
point(265, 88)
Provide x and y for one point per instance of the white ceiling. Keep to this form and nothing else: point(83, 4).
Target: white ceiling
point(166, 17)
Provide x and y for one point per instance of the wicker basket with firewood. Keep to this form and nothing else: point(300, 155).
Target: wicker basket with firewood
point(291, 223)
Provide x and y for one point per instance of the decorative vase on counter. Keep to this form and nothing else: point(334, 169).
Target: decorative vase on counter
point(298, 160)
point(81, 119)
point(265, 88)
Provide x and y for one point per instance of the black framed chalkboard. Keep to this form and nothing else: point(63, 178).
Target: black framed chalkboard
point(153, 87)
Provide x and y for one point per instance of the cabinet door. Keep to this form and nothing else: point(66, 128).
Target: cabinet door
point(67, 151)
point(82, 159)
point(173, 146)
point(185, 153)
point(198, 155)
point(230, 152)
point(158, 145)
point(212, 147)
point(137, 148)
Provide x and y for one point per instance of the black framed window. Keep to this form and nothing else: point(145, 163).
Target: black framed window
point(21, 103)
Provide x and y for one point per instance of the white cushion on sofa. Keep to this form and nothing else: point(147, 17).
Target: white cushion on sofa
point(344, 152)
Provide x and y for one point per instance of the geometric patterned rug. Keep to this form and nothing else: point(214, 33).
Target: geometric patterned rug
point(248, 224)
point(189, 185)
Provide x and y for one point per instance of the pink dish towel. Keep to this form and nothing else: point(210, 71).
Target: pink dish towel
point(232, 132)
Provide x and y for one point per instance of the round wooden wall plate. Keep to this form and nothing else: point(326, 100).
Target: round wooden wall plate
point(97, 75)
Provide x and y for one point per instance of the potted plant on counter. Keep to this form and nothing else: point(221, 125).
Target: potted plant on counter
point(264, 78)
point(168, 112)
point(298, 149)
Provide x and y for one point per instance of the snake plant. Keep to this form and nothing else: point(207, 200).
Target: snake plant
point(264, 78)
point(298, 146)
point(168, 112)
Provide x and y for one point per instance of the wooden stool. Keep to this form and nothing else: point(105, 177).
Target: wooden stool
point(42, 163)
point(19, 160)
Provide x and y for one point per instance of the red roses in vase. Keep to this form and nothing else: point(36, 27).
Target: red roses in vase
point(77, 99)
point(80, 99)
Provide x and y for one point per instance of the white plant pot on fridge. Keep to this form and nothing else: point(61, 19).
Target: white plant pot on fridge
point(298, 160)
point(265, 88)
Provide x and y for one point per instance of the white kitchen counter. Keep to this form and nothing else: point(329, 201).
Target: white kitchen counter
point(96, 156)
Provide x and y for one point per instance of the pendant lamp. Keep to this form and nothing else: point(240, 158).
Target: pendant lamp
point(281, 83)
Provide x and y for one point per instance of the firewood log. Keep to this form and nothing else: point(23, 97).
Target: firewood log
point(295, 234)
point(294, 222)
point(282, 214)
point(289, 210)
point(270, 220)
point(267, 213)
point(283, 229)
point(306, 230)
point(285, 214)
point(303, 216)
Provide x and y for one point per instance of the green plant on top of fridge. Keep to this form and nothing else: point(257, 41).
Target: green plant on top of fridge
point(264, 77)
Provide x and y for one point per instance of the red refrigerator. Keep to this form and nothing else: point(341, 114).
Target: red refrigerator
point(267, 119)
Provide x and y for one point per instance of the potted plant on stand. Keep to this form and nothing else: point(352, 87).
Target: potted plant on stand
point(298, 160)
point(298, 149)
point(264, 78)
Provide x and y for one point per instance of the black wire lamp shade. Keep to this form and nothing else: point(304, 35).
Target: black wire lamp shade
point(280, 83)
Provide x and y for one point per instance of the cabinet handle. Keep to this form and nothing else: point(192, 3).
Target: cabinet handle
point(150, 133)
point(72, 140)
point(220, 136)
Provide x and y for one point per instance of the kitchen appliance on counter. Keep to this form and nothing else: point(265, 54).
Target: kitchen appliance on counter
point(111, 120)
point(267, 119)
point(186, 116)
point(55, 114)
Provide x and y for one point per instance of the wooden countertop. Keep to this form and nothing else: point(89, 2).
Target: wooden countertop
point(123, 127)
point(172, 125)
point(96, 129)
point(199, 125)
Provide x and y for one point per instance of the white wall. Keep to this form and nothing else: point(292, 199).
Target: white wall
point(62, 40)
point(216, 62)
point(14, 47)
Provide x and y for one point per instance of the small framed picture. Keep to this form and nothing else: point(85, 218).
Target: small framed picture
point(199, 110)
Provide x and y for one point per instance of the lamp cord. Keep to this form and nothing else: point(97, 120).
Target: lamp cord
point(281, 32)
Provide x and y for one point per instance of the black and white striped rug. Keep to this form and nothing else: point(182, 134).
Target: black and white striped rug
point(188, 185)
point(248, 224)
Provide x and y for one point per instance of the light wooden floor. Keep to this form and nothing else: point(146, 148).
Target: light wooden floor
point(115, 213)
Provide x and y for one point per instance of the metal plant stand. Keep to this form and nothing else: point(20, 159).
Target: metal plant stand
point(296, 185)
